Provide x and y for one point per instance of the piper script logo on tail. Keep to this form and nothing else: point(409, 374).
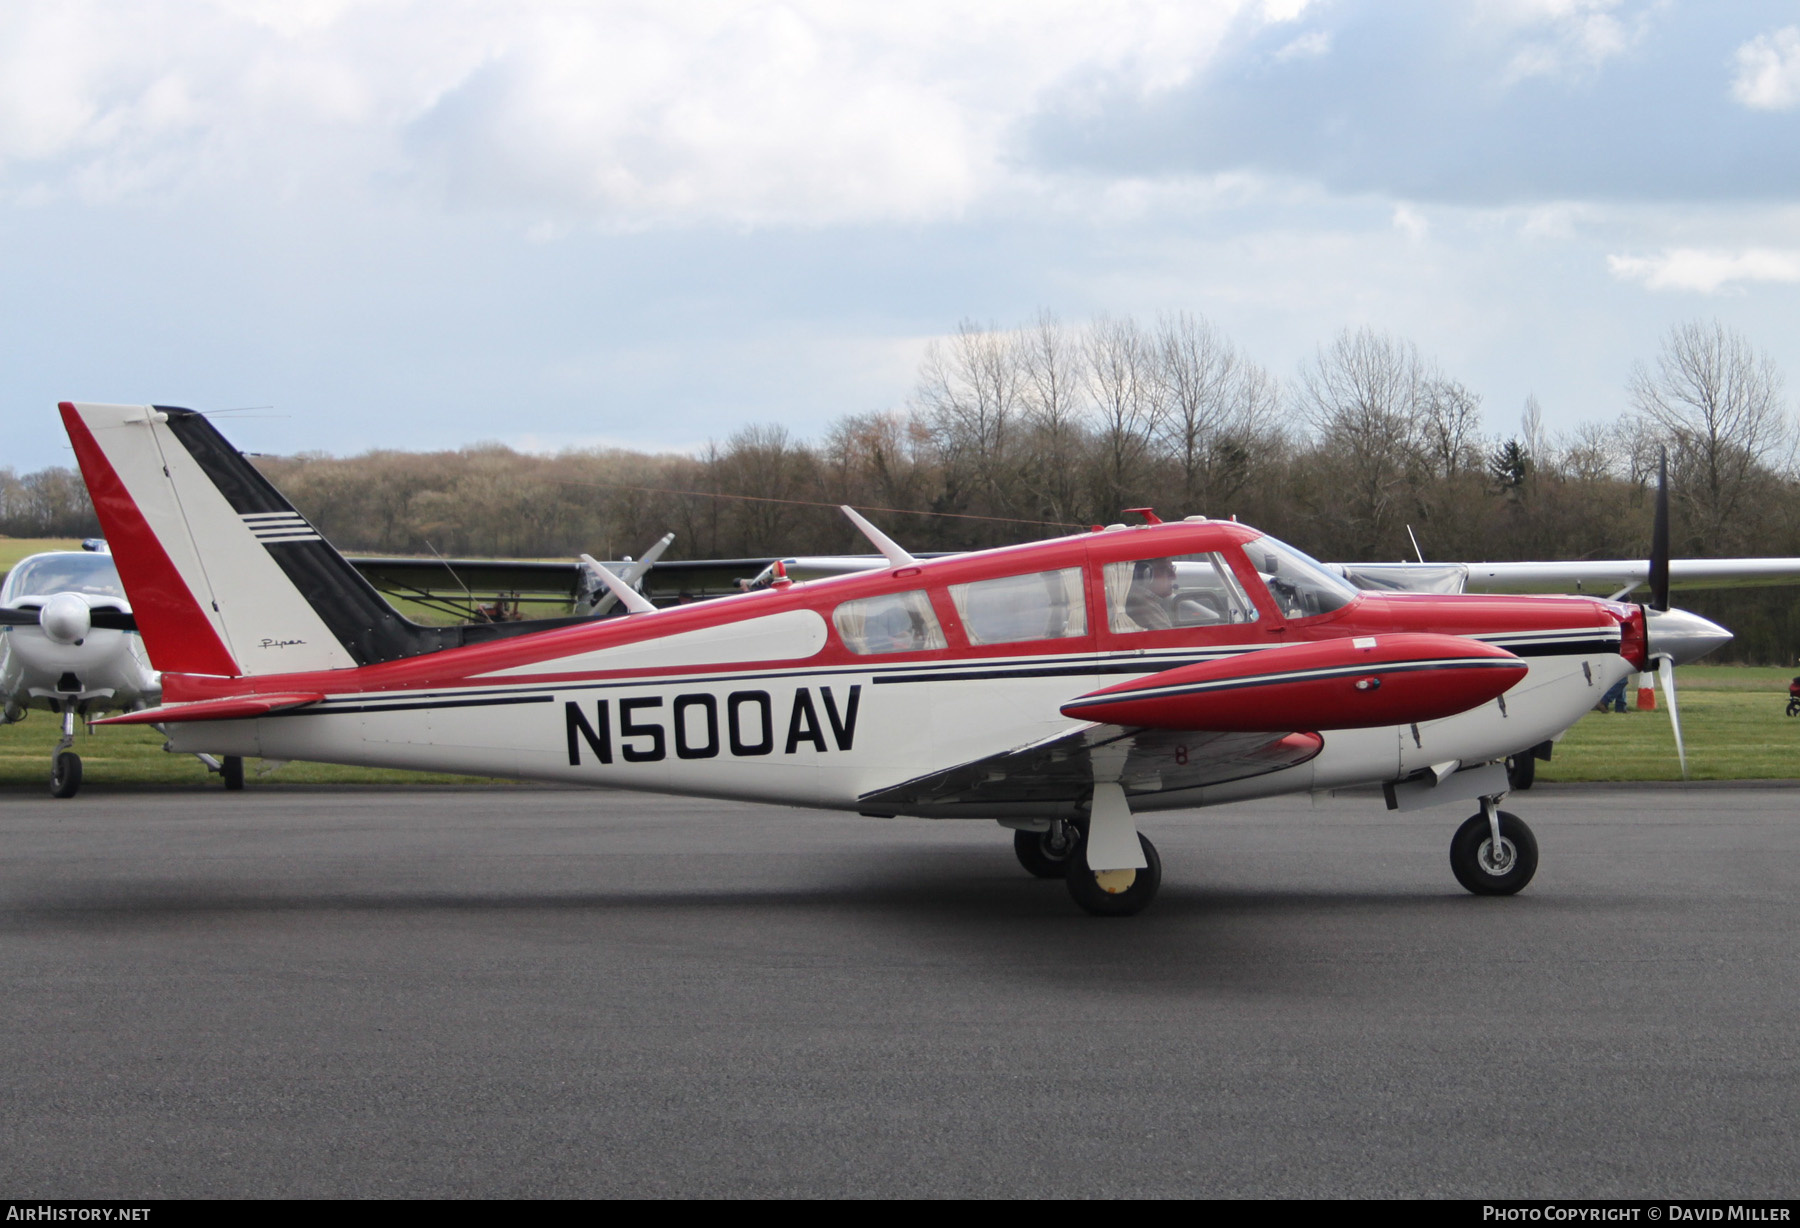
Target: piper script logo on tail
point(743, 724)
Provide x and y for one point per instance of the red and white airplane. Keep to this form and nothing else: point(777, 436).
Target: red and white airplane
point(1062, 688)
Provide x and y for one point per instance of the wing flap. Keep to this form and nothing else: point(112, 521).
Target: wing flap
point(1059, 772)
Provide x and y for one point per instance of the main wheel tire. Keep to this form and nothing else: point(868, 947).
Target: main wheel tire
point(1034, 851)
point(65, 774)
point(231, 771)
point(1086, 888)
point(1521, 770)
point(1473, 862)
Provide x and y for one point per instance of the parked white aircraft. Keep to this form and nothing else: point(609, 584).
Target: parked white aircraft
point(68, 645)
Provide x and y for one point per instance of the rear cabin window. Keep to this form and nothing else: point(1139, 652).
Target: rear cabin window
point(892, 622)
point(1188, 590)
point(1043, 605)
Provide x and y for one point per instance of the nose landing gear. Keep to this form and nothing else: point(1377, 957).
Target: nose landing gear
point(1493, 853)
point(65, 764)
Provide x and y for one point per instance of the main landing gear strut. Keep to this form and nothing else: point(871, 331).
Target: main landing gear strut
point(1110, 869)
point(1113, 871)
point(1493, 853)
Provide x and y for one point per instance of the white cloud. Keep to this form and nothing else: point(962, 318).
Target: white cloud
point(1309, 46)
point(1564, 36)
point(1768, 73)
point(628, 113)
point(1410, 222)
point(1706, 271)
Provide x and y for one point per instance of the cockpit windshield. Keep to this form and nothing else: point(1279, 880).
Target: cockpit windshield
point(91, 574)
point(1300, 584)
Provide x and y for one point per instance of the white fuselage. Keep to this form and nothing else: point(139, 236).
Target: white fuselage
point(906, 717)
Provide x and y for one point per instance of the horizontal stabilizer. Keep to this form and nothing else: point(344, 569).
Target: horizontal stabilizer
point(1358, 683)
point(236, 707)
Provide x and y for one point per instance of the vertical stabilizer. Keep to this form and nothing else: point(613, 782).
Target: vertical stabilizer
point(224, 576)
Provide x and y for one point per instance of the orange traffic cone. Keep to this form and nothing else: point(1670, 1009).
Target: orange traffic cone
point(1646, 692)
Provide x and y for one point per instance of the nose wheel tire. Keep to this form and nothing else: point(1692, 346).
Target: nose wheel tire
point(1114, 893)
point(231, 770)
point(1047, 854)
point(65, 774)
point(1484, 870)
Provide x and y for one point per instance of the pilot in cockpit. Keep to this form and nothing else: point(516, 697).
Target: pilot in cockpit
point(1151, 601)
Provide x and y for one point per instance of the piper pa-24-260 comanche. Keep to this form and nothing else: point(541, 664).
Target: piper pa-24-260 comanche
point(1062, 688)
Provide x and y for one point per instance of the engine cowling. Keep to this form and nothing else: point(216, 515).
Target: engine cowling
point(1351, 683)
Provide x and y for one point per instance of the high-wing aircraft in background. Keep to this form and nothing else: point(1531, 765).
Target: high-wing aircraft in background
point(68, 645)
point(468, 587)
point(1062, 687)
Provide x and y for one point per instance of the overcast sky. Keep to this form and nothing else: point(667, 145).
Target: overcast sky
point(427, 224)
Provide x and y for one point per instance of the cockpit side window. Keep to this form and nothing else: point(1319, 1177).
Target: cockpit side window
point(892, 622)
point(1043, 605)
point(1300, 585)
point(1189, 590)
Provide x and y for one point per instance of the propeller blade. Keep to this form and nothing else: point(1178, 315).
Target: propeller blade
point(632, 574)
point(1659, 538)
point(109, 620)
point(634, 601)
point(1666, 667)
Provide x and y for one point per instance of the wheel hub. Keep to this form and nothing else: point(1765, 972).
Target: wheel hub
point(1497, 863)
point(1115, 881)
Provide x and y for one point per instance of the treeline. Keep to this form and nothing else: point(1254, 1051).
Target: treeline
point(48, 503)
point(1028, 432)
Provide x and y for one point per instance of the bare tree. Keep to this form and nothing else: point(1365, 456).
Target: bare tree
point(1361, 394)
point(970, 386)
point(1215, 403)
point(1450, 423)
point(1053, 376)
point(1126, 404)
point(1594, 452)
point(1718, 400)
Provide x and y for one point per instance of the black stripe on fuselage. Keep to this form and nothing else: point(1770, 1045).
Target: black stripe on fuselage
point(418, 705)
point(1140, 665)
point(952, 671)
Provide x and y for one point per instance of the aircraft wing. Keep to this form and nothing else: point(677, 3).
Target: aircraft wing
point(1591, 577)
point(1218, 720)
point(457, 586)
point(1061, 770)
